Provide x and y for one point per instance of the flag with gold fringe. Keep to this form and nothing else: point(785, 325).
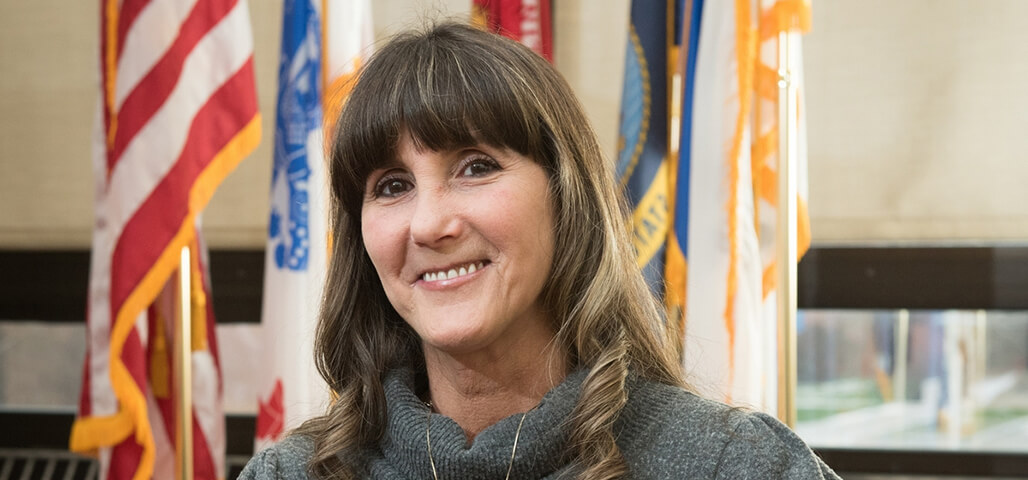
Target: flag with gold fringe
point(720, 263)
point(323, 45)
point(178, 112)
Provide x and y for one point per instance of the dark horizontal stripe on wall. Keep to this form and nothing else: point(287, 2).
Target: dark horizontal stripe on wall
point(951, 464)
point(51, 285)
point(237, 280)
point(990, 278)
point(43, 285)
point(35, 430)
point(51, 431)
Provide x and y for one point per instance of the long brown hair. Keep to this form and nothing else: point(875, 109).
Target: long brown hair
point(453, 86)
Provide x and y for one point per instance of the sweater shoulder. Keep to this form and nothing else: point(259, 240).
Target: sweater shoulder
point(669, 432)
point(286, 460)
point(665, 415)
point(760, 444)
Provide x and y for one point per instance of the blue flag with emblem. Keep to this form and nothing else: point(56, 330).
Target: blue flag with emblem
point(298, 114)
point(643, 138)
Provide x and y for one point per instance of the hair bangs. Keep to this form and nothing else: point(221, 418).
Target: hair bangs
point(455, 98)
point(446, 94)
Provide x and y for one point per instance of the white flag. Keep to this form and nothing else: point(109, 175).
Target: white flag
point(314, 60)
point(730, 350)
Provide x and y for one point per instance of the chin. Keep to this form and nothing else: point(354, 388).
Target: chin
point(456, 342)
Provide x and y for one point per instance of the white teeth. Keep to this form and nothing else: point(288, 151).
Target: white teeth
point(452, 273)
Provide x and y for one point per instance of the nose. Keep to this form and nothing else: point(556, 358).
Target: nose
point(434, 221)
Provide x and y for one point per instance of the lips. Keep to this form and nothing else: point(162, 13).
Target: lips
point(453, 272)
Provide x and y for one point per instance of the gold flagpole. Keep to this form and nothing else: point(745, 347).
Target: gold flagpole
point(183, 373)
point(785, 236)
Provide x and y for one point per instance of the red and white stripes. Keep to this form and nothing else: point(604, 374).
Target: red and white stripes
point(179, 112)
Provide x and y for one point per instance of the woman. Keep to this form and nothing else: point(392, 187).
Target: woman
point(484, 316)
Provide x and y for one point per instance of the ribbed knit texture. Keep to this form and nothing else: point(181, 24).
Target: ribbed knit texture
point(663, 432)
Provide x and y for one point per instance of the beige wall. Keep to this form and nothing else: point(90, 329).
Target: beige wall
point(917, 114)
point(48, 60)
point(918, 120)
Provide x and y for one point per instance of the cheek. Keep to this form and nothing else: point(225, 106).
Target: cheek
point(379, 239)
point(546, 236)
point(527, 226)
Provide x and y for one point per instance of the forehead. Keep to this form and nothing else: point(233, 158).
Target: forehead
point(408, 147)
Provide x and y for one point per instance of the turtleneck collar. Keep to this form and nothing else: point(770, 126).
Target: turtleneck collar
point(541, 446)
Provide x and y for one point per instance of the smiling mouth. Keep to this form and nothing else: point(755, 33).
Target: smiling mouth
point(454, 272)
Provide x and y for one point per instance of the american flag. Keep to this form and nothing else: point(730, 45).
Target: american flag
point(178, 112)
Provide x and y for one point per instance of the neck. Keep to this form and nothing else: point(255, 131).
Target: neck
point(479, 389)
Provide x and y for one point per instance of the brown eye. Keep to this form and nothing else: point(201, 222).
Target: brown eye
point(479, 167)
point(392, 187)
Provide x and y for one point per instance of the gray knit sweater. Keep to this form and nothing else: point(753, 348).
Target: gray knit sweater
point(663, 432)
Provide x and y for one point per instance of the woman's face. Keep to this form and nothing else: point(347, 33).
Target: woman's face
point(462, 242)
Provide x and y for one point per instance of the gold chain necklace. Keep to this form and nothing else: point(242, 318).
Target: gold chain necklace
point(428, 441)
